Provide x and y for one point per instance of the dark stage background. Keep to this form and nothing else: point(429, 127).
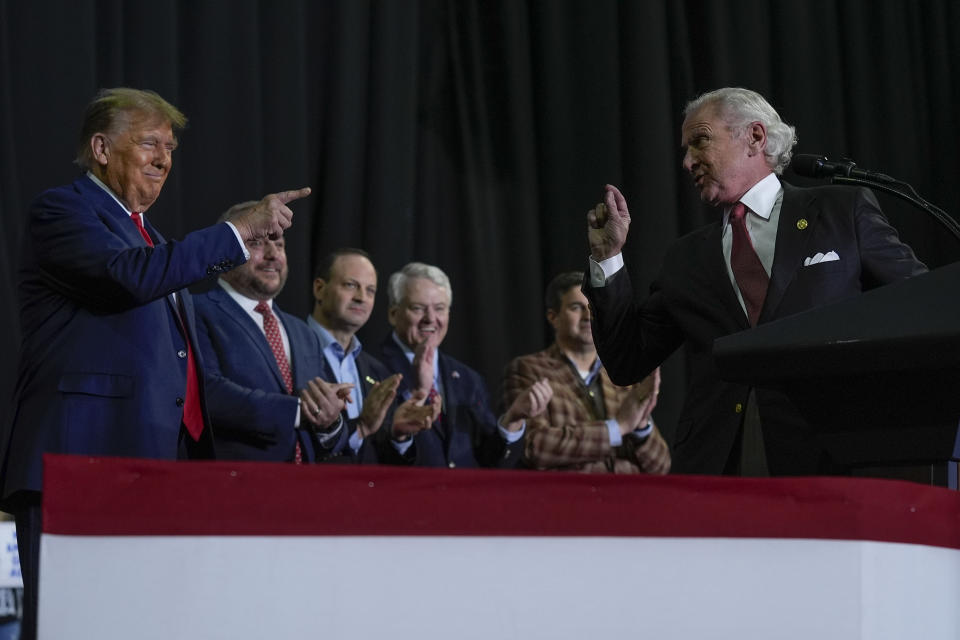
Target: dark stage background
point(472, 135)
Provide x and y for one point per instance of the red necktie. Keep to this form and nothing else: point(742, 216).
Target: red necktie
point(433, 398)
point(272, 331)
point(135, 216)
point(747, 268)
point(192, 414)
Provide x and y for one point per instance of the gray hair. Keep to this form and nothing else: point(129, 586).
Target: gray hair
point(739, 107)
point(397, 285)
point(110, 112)
point(236, 210)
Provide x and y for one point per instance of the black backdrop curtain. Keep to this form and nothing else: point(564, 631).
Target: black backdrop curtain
point(472, 135)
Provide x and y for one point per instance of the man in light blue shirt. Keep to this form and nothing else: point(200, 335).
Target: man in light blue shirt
point(344, 289)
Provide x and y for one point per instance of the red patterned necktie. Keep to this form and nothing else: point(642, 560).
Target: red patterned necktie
point(746, 266)
point(272, 330)
point(192, 414)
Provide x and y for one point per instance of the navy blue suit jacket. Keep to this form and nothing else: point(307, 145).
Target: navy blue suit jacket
point(251, 412)
point(692, 302)
point(466, 434)
point(103, 362)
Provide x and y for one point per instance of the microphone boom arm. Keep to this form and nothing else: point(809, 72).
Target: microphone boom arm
point(913, 198)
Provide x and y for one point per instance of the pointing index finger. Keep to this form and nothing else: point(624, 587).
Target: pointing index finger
point(296, 194)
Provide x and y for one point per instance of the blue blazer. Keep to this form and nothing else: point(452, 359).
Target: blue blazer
point(102, 366)
point(466, 434)
point(251, 412)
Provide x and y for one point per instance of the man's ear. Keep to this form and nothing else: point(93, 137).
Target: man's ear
point(552, 318)
point(318, 286)
point(100, 146)
point(757, 137)
point(392, 315)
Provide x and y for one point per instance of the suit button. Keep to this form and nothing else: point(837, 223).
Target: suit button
point(179, 402)
point(451, 464)
point(738, 408)
point(182, 353)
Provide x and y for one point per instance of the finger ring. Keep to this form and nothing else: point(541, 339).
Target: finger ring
point(316, 412)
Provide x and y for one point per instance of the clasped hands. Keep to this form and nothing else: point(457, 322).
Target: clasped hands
point(636, 412)
point(321, 403)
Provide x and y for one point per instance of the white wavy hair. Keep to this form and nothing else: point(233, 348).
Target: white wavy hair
point(397, 285)
point(739, 107)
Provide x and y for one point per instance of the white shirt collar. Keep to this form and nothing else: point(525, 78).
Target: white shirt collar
point(760, 198)
point(248, 304)
point(110, 192)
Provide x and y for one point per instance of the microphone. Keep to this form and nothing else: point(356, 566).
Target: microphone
point(811, 165)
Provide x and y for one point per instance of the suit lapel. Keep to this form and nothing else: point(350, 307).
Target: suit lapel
point(799, 213)
point(109, 210)
point(450, 377)
point(155, 235)
point(126, 229)
point(295, 363)
point(367, 380)
point(235, 313)
point(563, 373)
point(715, 266)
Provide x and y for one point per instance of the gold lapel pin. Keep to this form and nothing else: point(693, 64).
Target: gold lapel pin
point(802, 224)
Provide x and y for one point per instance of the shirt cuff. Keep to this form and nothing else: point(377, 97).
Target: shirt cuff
point(616, 439)
point(645, 432)
point(511, 436)
point(328, 436)
point(402, 447)
point(355, 441)
point(243, 245)
point(613, 428)
point(600, 271)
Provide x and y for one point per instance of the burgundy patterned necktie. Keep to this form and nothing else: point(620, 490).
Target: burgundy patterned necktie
point(433, 398)
point(272, 331)
point(192, 414)
point(746, 266)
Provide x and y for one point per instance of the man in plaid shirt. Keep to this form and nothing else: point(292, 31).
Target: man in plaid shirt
point(590, 424)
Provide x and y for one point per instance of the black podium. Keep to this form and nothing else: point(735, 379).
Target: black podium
point(877, 376)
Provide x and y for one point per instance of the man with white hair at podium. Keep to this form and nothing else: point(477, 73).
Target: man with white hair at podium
point(773, 251)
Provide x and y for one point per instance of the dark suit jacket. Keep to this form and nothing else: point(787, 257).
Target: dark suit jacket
point(252, 413)
point(692, 302)
point(370, 371)
point(466, 434)
point(103, 362)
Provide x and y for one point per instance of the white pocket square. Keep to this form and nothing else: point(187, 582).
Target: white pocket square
point(829, 256)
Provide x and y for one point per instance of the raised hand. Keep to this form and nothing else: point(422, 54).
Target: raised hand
point(528, 404)
point(321, 402)
point(423, 357)
point(376, 404)
point(636, 409)
point(269, 217)
point(607, 225)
